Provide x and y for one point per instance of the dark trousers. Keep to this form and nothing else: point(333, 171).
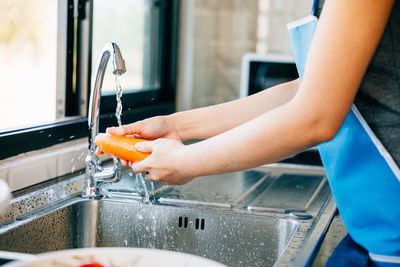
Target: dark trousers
point(349, 254)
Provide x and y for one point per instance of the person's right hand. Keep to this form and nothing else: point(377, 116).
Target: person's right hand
point(152, 128)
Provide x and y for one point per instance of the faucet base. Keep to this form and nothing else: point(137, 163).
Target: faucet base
point(92, 192)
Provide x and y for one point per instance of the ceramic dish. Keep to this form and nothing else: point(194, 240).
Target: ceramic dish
point(116, 257)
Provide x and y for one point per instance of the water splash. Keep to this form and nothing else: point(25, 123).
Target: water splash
point(152, 187)
point(118, 112)
point(146, 198)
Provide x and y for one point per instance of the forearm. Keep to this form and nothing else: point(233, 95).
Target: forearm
point(268, 138)
point(209, 121)
point(272, 126)
point(332, 77)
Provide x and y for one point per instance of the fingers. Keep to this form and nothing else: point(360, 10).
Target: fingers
point(130, 129)
point(146, 147)
point(139, 167)
point(151, 178)
point(148, 177)
point(98, 152)
point(117, 131)
point(124, 162)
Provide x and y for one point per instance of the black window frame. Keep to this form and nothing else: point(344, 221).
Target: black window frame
point(138, 104)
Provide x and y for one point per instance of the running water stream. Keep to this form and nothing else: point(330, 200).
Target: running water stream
point(118, 112)
point(118, 95)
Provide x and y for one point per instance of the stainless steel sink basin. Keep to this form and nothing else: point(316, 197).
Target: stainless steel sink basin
point(235, 220)
point(227, 237)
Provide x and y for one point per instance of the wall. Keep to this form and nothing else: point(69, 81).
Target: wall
point(215, 34)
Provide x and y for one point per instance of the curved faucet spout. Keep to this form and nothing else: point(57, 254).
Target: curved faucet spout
point(95, 176)
point(110, 49)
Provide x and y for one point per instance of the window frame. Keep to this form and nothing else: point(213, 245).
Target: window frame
point(72, 99)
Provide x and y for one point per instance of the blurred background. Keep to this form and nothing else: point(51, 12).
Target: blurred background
point(28, 61)
point(218, 33)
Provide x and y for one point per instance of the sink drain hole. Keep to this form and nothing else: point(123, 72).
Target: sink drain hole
point(199, 224)
point(183, 222)
point(186, 222)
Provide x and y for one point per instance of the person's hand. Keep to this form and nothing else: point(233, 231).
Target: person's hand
point(152, 128)
point(165, 164)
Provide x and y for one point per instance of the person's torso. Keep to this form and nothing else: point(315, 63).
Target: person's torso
point(378, 98)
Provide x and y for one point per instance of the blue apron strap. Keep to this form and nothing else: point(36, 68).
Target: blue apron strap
point(363, 177)
point(314, 9)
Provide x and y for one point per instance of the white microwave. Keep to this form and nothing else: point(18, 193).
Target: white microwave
point(261, 71)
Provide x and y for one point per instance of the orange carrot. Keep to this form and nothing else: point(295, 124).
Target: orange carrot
point(121, 146)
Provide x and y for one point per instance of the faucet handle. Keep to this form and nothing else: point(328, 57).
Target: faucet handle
point(110, 174)
point(96, 176)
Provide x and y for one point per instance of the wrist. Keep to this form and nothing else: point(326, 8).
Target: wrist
point(183, 162)
point(175, 122)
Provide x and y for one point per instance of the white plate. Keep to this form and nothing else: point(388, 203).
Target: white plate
point(117, 257)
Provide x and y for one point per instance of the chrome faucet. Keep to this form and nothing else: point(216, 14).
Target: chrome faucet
point(95, 174)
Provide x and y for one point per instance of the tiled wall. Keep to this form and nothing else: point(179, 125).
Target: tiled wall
point(223, 30)
point(37, 166)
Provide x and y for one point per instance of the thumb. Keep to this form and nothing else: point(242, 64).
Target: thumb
point(146, 147)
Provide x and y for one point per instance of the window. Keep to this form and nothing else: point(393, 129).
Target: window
point(28, 61)
point(48, 55)
point(135, 26)
point(110, 23)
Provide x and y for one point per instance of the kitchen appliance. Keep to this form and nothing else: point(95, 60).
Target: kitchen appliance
point(261, 71)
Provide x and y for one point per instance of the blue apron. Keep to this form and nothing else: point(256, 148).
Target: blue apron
point(364, 178)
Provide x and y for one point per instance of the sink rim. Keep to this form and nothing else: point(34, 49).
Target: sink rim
point(301, 255)
point(280, 230)
point(69, 189)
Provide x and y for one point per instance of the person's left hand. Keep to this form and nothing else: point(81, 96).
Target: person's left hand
point(165, 164)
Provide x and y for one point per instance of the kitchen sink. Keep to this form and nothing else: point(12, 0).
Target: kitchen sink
point(227, 237)
point(234, 220)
